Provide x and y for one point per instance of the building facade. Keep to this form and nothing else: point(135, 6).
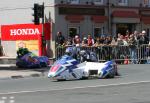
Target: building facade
point(82, 17)
point(100, 17)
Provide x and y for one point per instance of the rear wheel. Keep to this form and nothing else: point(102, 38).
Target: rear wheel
point(84, 78)
point(61, 80)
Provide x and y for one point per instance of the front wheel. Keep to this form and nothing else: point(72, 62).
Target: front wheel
point(111, 75)
point(84, 78)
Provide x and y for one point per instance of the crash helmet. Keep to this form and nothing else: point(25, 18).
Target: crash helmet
point(69, 51)
point(84, 54)
point(93, 57)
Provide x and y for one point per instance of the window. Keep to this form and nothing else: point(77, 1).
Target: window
point(73, 1)
point(98, 2)
point(123, 2)
point(146, 2)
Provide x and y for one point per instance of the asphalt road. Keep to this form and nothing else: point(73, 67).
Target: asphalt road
point(133, 86)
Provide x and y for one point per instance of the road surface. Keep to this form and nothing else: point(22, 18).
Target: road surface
point(133, 86)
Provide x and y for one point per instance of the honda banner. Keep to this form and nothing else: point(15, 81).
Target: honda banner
point(24, 32)
point(27, 36)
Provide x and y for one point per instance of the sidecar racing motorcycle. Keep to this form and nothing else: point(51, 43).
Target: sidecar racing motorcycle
point(27, 59)
point(69, 68)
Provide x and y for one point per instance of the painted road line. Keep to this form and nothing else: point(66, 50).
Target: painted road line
point(84, 87)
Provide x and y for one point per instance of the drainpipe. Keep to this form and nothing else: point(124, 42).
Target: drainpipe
point(109, 17)
point(140, 10)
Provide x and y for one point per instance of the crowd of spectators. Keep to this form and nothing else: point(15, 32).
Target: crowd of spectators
point(132, 40)
point(135, 38)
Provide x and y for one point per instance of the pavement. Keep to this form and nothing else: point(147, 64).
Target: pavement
point(10, 71)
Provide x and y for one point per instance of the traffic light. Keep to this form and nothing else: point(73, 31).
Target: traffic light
point(41, 11)
point(38, 13)
point(36, 17)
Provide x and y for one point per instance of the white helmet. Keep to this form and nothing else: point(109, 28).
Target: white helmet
point(71, 51)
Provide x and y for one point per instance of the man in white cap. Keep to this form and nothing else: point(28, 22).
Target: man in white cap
point(146, 37)
point(143, 32)
point(142, 39)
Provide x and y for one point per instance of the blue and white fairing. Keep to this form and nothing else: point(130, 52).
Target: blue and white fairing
point(65, 69)
point(102, 70)
point(68, 68)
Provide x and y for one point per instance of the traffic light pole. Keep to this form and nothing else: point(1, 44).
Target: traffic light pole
point(43, 35)
point(38, 14)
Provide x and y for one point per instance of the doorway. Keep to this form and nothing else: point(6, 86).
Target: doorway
point(72, 31)
point(123, 28)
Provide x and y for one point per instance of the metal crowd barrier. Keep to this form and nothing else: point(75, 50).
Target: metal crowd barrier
point(138, 54)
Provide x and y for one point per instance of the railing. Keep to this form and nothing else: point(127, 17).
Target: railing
point(134, 54)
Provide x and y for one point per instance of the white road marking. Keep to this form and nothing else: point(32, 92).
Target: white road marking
point(4, 98)
point(12, 101)
point(11, 97)
point(2, 101)
point(119, 84)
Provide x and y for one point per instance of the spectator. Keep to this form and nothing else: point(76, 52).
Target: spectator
point(84, 41)
point(77, 40)
point(90, 40)
point(146, 40)
point(127, 34)
point(97, 42)
point(120, 40)
point(120, 48)
point(136, 35)
point(60, 39)
point(69, 41)
point(108, 40)
point(125, 41)
point(118, 35)
point(143, 39)
point(132, 48)
point(114, 48)
point(102, 39)
point(107, 49)
point(114, 41)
